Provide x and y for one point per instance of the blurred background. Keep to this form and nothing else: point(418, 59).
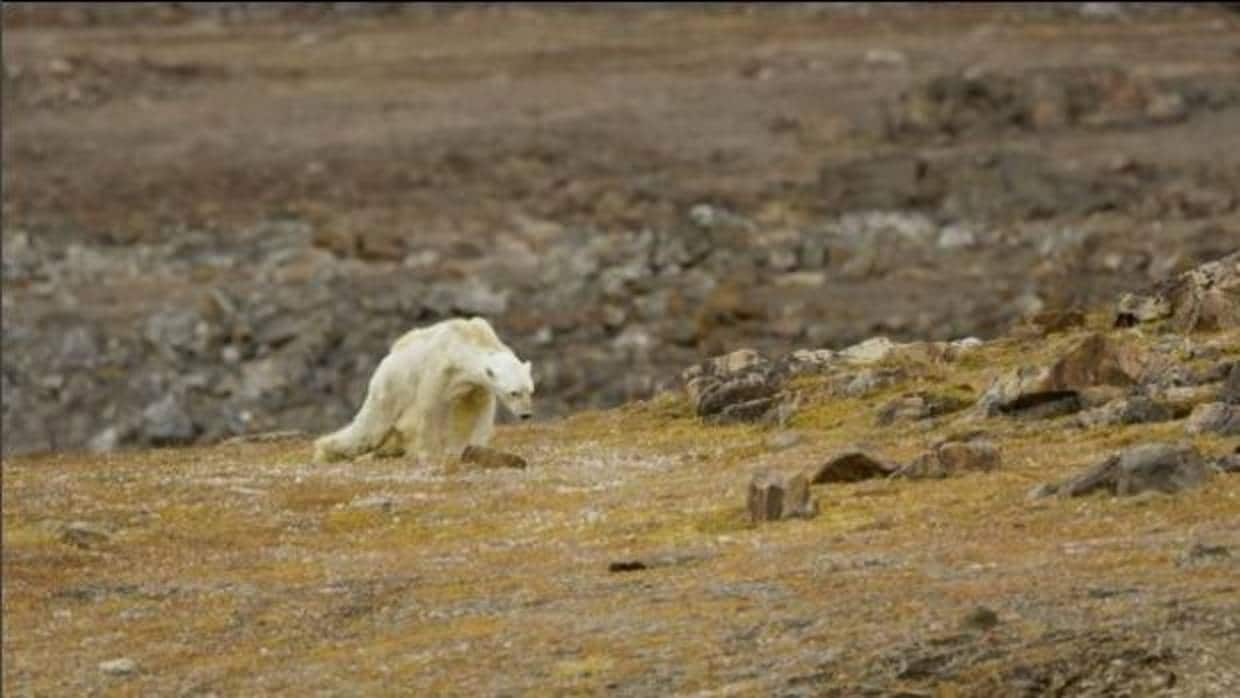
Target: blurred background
point(218, 216)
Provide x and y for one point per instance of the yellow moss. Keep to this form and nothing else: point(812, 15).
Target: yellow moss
point(350, 520)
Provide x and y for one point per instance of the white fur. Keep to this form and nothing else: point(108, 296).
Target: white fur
point(434, 394)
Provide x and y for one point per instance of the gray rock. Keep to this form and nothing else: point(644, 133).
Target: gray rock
point(1230, 392)
point(84, 535)
point(1214, 418)
point(119, 667)
point(918, 406)
point(951, 458)
point(1229, 463)
point(1133, 410)
point(166, 423)
point(1157, 467)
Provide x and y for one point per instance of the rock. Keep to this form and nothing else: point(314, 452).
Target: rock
point(772, 498)
point(951, 458)
point(885, 57)
point(626, 566)
point(807, 361)
point(1229, 463)
point(1206, 298)
point(1204, 554)
point(1055, 391)
point(119, 667)
point(852, 466)
point(165, 423)
point(84, 535)
point(106, 440)
point(1133, 410)
point(870, 380)
point(918, 406)
point(1166, 108)
point(870, 351)
point(1135, 309)
point(1230, 392)
point(963, 456)
point(739, 387)
point(1214, 418)
point(954, 237)
point(980, 618)
point(1157, 467)
point(492, 459)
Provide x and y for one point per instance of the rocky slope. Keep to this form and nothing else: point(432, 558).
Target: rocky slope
point(177, 273)
point(1052, 512)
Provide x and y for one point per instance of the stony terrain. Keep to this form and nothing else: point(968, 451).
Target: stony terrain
point(217, 217)
point(982, 518)
point(882, 351)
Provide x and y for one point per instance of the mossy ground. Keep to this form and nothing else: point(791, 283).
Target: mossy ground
point(246, 570)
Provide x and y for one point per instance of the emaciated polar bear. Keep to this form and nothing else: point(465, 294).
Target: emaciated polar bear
point(434, 394)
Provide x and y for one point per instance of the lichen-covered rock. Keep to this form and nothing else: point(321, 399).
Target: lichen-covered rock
point(1157, 467)
point(952, 458)
point(1214, 418)
point(918, 406)
point(490, 458)
point(1205, 298)
point(1132, 410)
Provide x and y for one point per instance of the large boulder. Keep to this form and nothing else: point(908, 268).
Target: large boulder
point(1156, 467)
point(1205, 298)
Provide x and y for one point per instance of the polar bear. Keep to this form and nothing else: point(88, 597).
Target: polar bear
point(434, 394)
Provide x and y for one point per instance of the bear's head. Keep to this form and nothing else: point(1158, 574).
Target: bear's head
point(511, 382)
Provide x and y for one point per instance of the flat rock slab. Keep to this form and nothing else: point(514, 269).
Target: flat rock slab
point(852, 466)
point(1156, 467)
point(951, 458)
point(490, 458)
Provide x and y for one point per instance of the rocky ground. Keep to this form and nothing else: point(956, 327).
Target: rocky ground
point(217, 217)
point(1055, 511)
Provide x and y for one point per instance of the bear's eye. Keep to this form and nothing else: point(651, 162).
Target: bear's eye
point(512, 393)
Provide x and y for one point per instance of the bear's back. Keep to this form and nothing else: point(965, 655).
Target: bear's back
point(475, 332)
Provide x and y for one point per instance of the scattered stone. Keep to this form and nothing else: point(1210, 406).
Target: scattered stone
point(870, 351)
point(1214, 418)
point(1204, 554)
point(119, 667)
point(1230, 392)
point(782, 440)
point(84, 535)
point(1229, 463)
point(1133, 410)
point(918, 406)
point(1157, 467)
point(1136, 309)
point(980, 618)
point(626, 566)
point(773, 498)
point(951, 458)
point(885, 57)
point(739, 387)
point(852, 466)
point(1206, 298)
point(1050, 392)
point(490, 458)
point(165, 423)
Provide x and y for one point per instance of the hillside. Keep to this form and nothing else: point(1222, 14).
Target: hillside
point(623, 559)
